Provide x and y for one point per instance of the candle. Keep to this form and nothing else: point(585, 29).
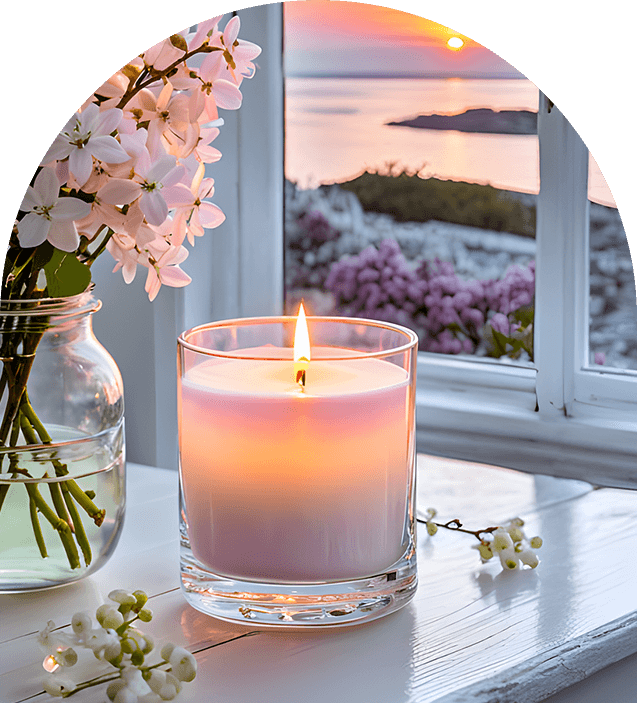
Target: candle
point(291, 484)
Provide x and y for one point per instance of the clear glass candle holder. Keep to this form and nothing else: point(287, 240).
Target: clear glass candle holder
point(297, 501)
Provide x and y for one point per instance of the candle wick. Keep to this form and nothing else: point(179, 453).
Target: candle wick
point(301, 368)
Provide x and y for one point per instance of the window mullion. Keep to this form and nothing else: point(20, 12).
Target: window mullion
point(260, 162)
point(561, 295)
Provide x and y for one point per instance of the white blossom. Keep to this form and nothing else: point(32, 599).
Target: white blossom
point(49, 216)
point(87, 135)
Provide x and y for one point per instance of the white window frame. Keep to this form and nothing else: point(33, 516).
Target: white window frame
point(564, 419)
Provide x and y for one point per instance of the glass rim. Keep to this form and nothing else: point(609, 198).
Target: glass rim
point(54, 446)
point(412, 337)
point(68, 306)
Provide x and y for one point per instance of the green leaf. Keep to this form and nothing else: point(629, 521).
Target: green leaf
point(524, 315)
point(454, 327)
point(501, 342)
point(43, 255)
point(65, 275)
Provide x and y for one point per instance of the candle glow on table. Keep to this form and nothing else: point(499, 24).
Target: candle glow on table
point(292, 483)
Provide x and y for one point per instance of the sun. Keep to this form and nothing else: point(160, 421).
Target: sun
point(455, 43)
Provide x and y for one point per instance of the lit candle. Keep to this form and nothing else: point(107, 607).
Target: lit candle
point(293, 483)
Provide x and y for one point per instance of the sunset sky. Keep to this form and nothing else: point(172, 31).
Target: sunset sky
point(327, 38)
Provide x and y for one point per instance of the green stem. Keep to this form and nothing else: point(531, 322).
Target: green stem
point(95, 513)
point(84, 686)
point(4, 489)
point(37, 530)
point(100, 248)
point(59, 504)
point(107, 678)
point(61, 469)
point(13, 461)
point(80, 534)
point(61, 494)
point(57, 523)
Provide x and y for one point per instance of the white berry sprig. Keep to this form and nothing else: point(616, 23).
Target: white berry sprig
point(508, 541)
point(121, 649)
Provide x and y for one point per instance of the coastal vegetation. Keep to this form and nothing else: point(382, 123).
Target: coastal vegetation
point(409, 198)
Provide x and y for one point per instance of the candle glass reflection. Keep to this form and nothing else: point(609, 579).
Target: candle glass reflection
point(297, 501)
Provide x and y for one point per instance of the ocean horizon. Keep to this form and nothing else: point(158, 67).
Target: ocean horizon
point(336, 127)
point(467, 75)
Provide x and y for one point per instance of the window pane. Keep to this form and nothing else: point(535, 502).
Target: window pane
point(429, 223)
point(613, 313)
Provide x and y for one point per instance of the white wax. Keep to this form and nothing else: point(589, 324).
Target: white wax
point(289, 486)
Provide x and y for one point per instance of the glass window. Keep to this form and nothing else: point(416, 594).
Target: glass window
point(613, 313)
point(410, 191)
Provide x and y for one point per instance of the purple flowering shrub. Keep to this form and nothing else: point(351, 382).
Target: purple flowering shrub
point(314, 230)
point(376, 283)
point(450, 315)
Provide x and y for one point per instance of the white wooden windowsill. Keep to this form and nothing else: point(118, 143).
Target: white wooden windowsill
point(472, 633)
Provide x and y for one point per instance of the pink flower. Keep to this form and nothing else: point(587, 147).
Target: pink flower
point(166, 271)
point(50, 217)
point(164, 113)
point(163, 55)
point(87, 135)
point(600, 358)
point(193, 212)
point(500, 323)
point(149, 180)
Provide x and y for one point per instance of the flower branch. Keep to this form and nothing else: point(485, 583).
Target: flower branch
point(125, 175)
point(119, 646)
point(508, 541)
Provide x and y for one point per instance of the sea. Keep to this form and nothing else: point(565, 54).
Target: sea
point(336, 128)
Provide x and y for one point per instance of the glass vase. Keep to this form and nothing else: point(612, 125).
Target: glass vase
point(297, 500)
point(62, 481)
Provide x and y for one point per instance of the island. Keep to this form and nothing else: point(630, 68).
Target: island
point(483, 120)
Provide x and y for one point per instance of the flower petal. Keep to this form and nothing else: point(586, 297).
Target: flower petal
point(119, 191)
point(227, 95)
point(48, 186)
point(210, 215)
point(154, 207)
point(108, 122)
point(33, 230)
point(174, 277)
point(31, 199)
point(177, 195)
point(107, 149)
point(63, 235)
point(231, 31)
point(173, 176)
point(81, 165)
point(60, 149)
point(160, 168)
point(70, 209)
point(153, 284)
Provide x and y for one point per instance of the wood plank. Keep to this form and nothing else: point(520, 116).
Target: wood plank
point(174, 621)
point(470, 629)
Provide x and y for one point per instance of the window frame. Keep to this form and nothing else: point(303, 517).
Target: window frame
point(564, 418)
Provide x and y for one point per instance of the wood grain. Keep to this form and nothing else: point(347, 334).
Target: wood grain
point(471, 633)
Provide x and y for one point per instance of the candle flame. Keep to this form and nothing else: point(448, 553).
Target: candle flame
point(301, 348)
